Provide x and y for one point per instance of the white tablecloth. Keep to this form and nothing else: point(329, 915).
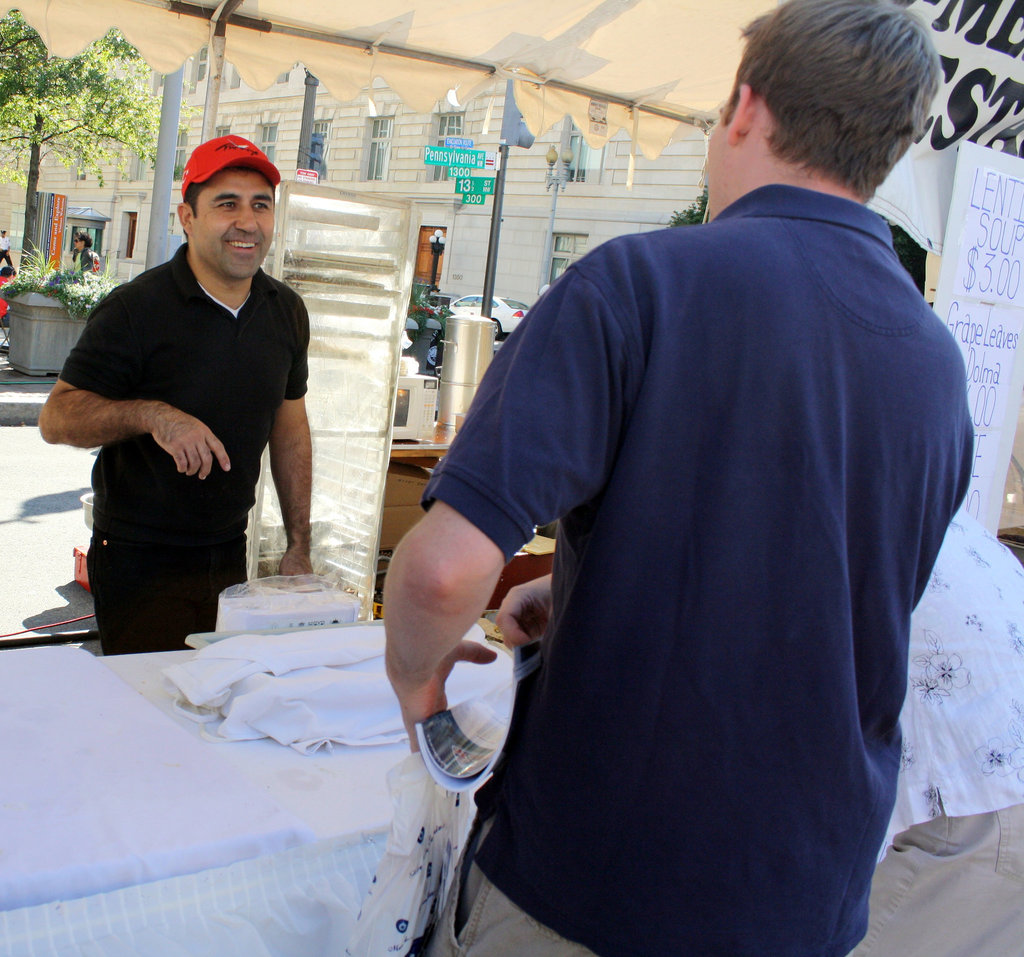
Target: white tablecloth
point(272, 899)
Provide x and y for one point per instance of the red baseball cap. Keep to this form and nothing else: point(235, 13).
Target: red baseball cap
point(211, 157)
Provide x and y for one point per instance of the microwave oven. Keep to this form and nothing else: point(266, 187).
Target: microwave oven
point(415, 407)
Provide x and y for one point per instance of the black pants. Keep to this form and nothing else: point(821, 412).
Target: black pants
point(151, 597)
point(6, 254)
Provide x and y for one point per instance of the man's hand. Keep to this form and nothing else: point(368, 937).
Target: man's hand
point(295, 561)
point(421, 701)
point(188, 441)
point(525, 611)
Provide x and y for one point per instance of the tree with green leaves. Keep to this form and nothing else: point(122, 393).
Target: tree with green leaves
point(694, 214)
point(85, 111)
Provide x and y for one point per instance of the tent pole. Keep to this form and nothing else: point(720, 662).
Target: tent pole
point(486, 307)
point(163, 171)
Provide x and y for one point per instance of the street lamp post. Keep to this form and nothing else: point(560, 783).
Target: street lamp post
point(554, 180)
point(436, 252)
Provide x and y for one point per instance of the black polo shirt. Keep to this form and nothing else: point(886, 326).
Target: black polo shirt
point(161, 337)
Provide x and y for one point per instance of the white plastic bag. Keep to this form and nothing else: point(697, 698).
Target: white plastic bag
point(408, 892)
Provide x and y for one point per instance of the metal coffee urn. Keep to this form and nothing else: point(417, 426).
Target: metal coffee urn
point(468, 348)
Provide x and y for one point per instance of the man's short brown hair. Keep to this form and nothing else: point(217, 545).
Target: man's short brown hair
point(848, 83)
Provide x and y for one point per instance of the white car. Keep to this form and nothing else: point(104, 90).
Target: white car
point(507, 313)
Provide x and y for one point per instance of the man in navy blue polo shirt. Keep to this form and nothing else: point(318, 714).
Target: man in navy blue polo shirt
point(754, 434)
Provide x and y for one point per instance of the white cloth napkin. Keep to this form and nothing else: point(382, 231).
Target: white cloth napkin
point(309, 689)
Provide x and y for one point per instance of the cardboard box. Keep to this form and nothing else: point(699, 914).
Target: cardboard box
point(395, 521)
point(404, 485)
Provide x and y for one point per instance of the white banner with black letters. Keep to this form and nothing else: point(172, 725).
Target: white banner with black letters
point(981, 100)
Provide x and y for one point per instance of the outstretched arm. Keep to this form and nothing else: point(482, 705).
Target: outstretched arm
point(438, 583)
point(86, 419)
point(291, 464)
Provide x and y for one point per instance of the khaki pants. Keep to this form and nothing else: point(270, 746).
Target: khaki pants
point(490, 925)
point(950, 887)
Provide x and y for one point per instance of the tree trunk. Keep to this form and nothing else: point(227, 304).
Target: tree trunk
point(28, 245)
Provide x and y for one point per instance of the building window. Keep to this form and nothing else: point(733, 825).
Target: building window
point(219, 131)
point(586, 162)
point(283, 78)
point(566, 249)
point(268, 139)
point(234, 80)
point(379, 155)
point(180, 153)
point(131, 224)
point(201, 63)
point(136, 169)
point(448, 124)
point(322, 128)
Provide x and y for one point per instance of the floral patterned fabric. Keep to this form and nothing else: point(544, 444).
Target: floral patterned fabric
point(963, 720)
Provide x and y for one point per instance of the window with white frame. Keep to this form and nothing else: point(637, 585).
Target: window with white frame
point(379, 150)
point(234, 80)
point(200, 64)
point(268, 139)
point(448, 124)
point(180, 153)
point(566, 248)
point(586, 162)
point(219, 131)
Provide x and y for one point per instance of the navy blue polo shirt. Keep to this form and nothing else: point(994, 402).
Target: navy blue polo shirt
point(161, 337)
point(755, 433)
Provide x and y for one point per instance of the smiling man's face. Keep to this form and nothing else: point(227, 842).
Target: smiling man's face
point(229, 231)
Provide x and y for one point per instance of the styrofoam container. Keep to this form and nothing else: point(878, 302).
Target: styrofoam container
point(285, 602)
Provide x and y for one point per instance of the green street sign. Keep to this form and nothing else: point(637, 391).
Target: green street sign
point(474, 199)
point(475, 184)
point(446, 156)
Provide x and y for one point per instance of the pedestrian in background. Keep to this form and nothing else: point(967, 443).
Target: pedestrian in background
point(183, 376)
point(754, 453)
point(5, 248)
point(83, 257)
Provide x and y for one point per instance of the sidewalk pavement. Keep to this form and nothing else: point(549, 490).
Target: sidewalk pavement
point(21, 396)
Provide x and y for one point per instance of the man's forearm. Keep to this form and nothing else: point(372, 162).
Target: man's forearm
point(438, 583)
point(291, 465)
point(86, 420)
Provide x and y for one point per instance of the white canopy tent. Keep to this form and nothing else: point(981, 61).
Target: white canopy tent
point(645, 66)
point(649, 67)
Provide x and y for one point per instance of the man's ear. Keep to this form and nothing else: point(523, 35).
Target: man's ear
point(744, 114)
point(185, 216)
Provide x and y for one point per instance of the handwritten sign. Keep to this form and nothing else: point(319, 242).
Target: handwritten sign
point(992, 257)
point(980, 297)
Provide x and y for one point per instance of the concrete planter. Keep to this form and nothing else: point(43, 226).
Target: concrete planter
point(42, 334)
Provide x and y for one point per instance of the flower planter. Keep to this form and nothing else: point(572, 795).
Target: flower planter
point(41, 334)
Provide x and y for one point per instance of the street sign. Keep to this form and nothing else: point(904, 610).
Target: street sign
point(458, 142)
point(475, 184)
point(474, 199)
point(445, 156)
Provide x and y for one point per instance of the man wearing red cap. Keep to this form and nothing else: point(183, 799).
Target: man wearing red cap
point(182, 377)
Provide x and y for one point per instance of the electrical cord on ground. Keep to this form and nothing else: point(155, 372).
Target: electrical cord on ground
point(55, 624)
